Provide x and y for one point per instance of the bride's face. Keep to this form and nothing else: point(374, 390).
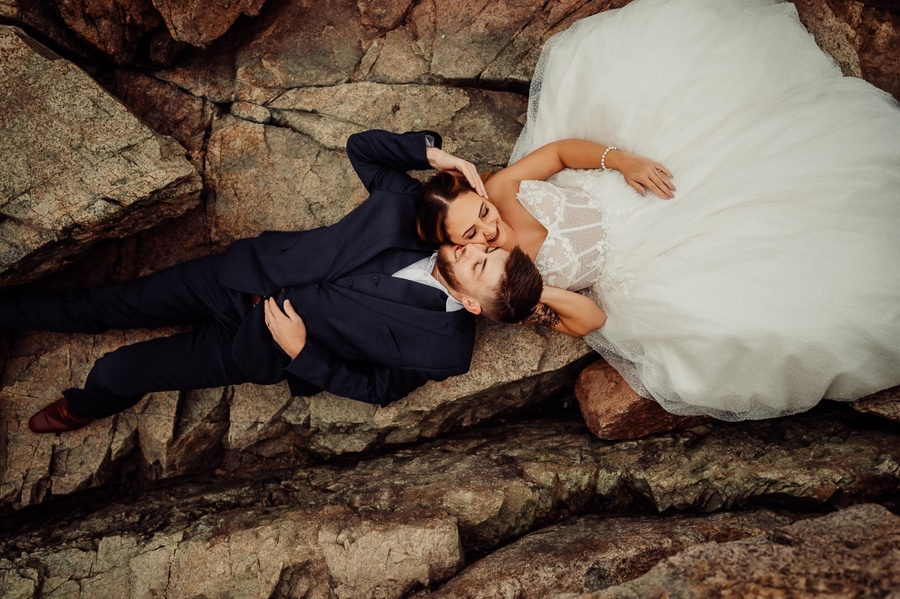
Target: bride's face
point(472, 219)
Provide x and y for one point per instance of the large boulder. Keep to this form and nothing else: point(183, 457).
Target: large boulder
point(114, 27)
point(77, 165)
point(612, 410)
point(126, 30)
point(198, 22)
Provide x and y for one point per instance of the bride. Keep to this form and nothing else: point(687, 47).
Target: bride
point(749, 266)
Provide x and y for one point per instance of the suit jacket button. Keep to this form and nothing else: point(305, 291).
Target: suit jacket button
point(375, 279)
point(318, 285)
point(349, 282)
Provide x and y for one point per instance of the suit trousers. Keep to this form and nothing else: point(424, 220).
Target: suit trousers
point(185, 294)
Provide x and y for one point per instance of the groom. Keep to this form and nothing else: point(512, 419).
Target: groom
point(359, 308)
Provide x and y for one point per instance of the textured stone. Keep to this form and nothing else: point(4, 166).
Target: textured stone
point(851, 553)
point(593, 552)
point(298, 44)
point(77, 165)
point(500, 481)
point(613, 411)
point(873, 33)
point(512, 369)
point(41, 16)
point(250, 426)
point(271, 178)
point(884, 403)
point(391, 524)
point(198, 22)
point(832, 34)
point(326, 552)
point(168, 110)
point(383, 42)
point(114, 27)
point(34, 467)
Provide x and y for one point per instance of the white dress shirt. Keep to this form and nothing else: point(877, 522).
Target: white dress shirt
point(420, 272)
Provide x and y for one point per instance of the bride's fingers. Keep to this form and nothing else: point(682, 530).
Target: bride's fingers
point(655, 185)
point(662, 191)
point(661, 182)
point(661, 169)
point(471, 174)
point(637, 187)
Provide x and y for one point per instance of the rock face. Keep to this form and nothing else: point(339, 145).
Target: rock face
point(391, 524)
point(852, 553)
point(885, 404)
point(172, 434)
point(199, 22)
point(77, 165)
point(593, 552)
point(248, 492)
point(114, 27)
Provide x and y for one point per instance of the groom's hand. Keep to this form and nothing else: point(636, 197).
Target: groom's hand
point(444, 161)
point(287, 328)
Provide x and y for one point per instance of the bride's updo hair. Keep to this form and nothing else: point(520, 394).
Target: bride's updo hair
point(433, 202)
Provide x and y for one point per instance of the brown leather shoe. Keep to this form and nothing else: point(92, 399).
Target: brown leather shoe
point(56, 418)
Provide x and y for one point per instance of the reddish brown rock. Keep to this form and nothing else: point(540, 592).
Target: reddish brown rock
point(40, 16)
point(613, 411)
point(199, 22)
point(167, 110)
point(884, 403)
point(870, 30)
point(115, 27)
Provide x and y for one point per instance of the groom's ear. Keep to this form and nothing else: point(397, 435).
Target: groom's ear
point(471, 304)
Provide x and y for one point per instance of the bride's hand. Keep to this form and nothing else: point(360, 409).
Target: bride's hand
point(644, 175)
point(447, 162)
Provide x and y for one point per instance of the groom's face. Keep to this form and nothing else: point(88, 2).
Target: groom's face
point(473, 270)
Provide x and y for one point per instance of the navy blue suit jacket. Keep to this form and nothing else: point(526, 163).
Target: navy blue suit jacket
point(371, 337)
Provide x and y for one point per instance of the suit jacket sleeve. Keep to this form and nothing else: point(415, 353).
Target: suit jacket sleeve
point(265, 263)
point(362, 381)
point(381, 158)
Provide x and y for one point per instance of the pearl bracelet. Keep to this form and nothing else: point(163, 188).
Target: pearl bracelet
point(603, 158)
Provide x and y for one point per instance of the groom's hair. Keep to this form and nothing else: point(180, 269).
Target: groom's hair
point(518, 292)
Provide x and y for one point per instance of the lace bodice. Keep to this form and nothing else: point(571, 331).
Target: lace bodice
point(574, 253)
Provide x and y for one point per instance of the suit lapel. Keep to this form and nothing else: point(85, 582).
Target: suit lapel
point(413, 303)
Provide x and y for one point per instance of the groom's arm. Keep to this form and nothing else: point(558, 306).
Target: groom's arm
point(381, 158)
point(363, 381)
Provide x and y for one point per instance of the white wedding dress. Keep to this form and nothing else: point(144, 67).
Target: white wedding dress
point(772, 279)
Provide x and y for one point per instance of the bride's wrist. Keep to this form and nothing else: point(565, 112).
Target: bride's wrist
point(607, 159)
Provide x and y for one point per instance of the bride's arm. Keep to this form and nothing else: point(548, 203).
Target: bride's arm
point(567, 312)
point(640, 173)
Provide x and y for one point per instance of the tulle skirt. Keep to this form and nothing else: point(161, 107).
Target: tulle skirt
point(772, 279)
